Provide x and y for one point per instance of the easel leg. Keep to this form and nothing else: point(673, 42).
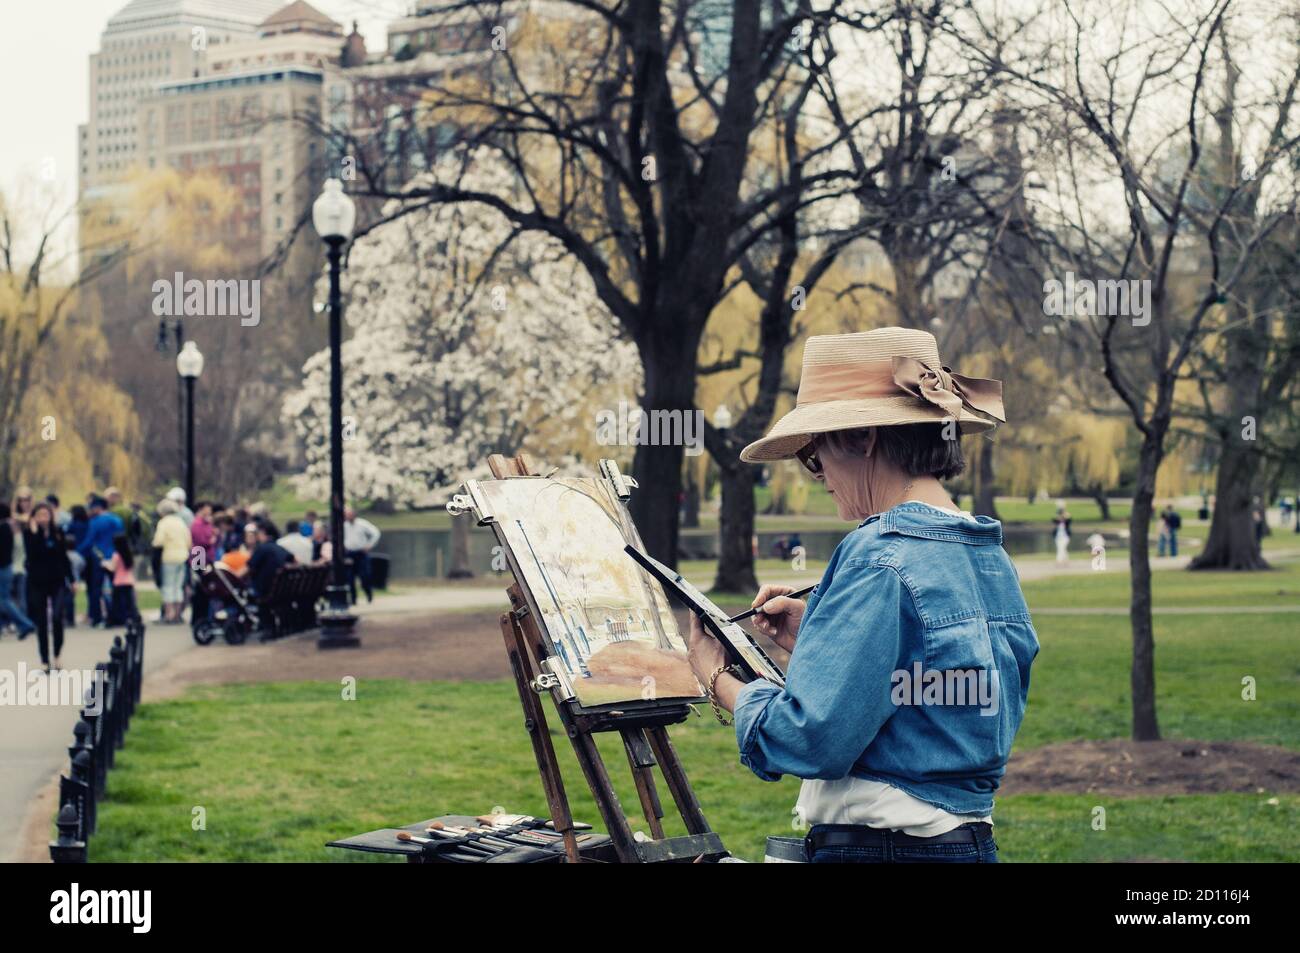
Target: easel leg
point(641, 760)
point(675, 777)
point(539, 734)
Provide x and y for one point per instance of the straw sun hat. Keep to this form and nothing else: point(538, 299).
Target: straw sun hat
point(881, 378)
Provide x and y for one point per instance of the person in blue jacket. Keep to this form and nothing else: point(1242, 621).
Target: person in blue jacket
point(909, 667)
point(95, 548)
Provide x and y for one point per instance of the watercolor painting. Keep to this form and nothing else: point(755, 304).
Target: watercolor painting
point(610, 623)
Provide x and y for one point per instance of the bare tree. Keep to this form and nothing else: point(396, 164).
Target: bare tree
point(630, 126)
point(1130, 103)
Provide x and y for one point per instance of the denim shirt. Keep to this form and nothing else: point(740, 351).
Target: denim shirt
point(914, 590)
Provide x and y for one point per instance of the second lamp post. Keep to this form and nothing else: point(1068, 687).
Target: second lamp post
point(189, 365)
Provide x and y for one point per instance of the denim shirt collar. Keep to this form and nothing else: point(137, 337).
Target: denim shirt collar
point(929, 522)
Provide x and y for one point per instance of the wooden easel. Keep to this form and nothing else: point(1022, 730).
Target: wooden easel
point(644, 734)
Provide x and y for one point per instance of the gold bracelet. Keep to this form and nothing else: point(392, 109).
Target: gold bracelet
point(713, 693)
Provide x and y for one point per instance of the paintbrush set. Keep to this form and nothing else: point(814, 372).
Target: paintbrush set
point(486, 838)
point(499, 838)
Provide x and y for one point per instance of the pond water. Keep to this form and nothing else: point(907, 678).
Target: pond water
point(424, 553)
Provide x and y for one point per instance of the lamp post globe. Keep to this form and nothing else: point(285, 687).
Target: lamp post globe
point(189, 362)
point(333, 213)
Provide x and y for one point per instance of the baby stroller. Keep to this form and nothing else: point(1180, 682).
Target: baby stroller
point(231, 613)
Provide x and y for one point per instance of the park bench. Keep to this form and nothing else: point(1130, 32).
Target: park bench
point(289, 605)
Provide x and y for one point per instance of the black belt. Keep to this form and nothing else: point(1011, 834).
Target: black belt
point(853, 835)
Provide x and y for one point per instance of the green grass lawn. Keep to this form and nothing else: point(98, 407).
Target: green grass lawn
point(282, 768)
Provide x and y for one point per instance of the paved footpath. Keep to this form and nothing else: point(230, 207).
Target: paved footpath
point(34, 739)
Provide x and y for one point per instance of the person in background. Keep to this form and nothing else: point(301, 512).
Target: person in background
point(78, 528)
point(172, 536)
point(221, 525)
point(78, 564)
point(61, 517)
point(203, 533)
point(8, 608)
point(177, 496)
point(308, 525)
point(22, 511)
point(267, 558)
point(49, 576)
point(95, 548)
point(1061, 535)
point(203, 536)
point(235, 530)
point(359, 537)
point(236, 559)
point(1172, 523)
point(322, 550)
point(298, 545)
point(120, 568)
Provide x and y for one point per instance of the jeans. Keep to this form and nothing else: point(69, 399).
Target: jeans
point(94, 588)
point(123, 605)
point(979, 850)
point(9, 608)
point(359, 568)
point(20, 591)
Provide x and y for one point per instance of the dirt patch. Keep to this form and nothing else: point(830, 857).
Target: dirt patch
point(1120, 768)
point(460, 647)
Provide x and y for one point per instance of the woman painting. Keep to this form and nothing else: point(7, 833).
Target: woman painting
point(909, 665)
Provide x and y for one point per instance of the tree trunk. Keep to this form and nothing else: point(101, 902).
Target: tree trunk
point(1143, 676)
point(460, 568)
point(736, 530)
point(982, 501)
point(657, 468)
point(691, 509)
point(1232, 543)
point(1102, 501)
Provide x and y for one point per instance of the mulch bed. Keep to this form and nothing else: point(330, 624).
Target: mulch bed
point(1120, 767)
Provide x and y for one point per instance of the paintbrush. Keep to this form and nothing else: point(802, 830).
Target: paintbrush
point(755, 611)
point(472, 846)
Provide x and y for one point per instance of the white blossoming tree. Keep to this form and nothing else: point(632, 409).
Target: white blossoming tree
point(468, 338)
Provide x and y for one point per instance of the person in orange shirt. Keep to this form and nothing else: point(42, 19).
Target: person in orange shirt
point(237, 559)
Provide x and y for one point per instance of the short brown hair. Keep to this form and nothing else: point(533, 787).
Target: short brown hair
point(916, 449)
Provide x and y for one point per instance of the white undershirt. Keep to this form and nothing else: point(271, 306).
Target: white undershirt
point(877, 804)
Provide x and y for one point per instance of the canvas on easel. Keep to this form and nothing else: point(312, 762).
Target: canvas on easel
point(610, 629)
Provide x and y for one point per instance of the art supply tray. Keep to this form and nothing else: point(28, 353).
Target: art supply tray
point(469, 848)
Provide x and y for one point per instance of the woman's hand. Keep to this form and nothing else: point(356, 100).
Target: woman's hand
point(706, 653)
point(780, 617)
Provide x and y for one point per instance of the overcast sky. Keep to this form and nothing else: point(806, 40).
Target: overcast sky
point(44, 50)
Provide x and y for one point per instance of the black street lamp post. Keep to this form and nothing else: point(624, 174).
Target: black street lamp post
point(189, 365)
point(333, 215)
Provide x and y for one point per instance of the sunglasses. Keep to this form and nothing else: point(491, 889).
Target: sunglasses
point(808, 457)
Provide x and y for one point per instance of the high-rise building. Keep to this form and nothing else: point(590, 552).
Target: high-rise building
point(251, 119)
point(145, 43)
